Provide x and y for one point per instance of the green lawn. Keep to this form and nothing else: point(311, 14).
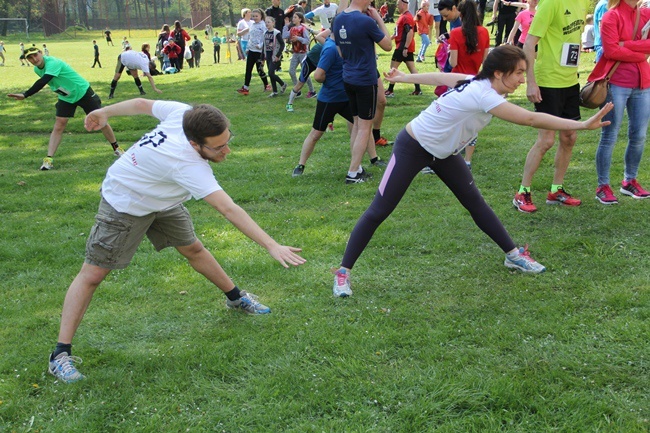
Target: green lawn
point(439, 335)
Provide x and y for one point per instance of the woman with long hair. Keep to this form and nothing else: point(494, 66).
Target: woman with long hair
point(629, 90)
point(469, 45)
point(436, 137)
point(180, 36)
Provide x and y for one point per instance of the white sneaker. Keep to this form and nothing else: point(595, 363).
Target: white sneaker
point(524, 262)
point(341, 287)
point(62, 367)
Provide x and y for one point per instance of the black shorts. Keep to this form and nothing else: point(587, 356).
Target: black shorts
point(363, 100)
point(398, 57)
point(88, 102)
point(325, 112)
point(563, 102)
point(306, 68)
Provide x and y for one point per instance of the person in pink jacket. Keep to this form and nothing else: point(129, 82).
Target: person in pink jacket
point(629, 90)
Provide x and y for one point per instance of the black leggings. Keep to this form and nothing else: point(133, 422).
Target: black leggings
point(275, 80)
point(255, 59)
point(407, 160)
point(505, 22)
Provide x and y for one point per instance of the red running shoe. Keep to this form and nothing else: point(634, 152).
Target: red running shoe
point(242, 91)
point(634, 189)
point(524, 202)
point(381, 141)
point(562, 197)
point(605, 195)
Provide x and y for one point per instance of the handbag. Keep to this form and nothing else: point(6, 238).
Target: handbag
point(594, 93)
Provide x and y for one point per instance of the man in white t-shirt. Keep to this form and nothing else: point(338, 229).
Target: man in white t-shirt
point(133, 61)
point(325, 13)
point(143, 194)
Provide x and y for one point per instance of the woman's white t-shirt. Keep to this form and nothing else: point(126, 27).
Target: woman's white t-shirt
point(243, 25)
point(161, 170)
point(455, 119)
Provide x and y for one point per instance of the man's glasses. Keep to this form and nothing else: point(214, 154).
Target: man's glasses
point(219, 148)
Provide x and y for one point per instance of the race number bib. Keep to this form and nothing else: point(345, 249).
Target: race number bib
point(570, 55)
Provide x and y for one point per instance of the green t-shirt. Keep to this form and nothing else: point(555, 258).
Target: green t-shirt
point(66, 83)
point(216, 40)
point(558, 24)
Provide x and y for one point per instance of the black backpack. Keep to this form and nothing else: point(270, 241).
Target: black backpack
point(178, 37)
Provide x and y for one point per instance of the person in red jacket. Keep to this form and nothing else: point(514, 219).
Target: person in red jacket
point(180, 37)
point(629, 89)
point(173, 51)
point(469, 45)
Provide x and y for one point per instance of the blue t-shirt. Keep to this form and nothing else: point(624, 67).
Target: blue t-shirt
point(331, 62)
point(356, 34)
point(601, 8)
point(455, 23)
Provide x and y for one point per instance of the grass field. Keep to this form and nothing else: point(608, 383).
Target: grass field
point(439, 335)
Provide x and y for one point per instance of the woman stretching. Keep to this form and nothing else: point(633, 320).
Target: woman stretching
point(435, 139)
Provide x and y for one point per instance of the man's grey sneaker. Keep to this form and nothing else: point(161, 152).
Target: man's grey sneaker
point(249, 304)
point(341, 287)
point(358, 179)
point(298, 171)
point(380, 163)
point(283, 87)
point(524, 262)
point(427, 170)
point(62, 367)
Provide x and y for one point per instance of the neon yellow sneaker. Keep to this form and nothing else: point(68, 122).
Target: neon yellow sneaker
point(48, 163)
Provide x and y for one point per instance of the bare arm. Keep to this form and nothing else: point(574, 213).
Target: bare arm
point(97, 119)
point(319, 75)
point(453, 58)
point(429, 78)
point(385, 44)
point(495, 10)
point(532, 89)
point(153, 85)
point(322, 36)
point(520, 116)
point(244, 223)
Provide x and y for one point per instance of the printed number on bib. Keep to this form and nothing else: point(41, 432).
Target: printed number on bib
point(570, 55)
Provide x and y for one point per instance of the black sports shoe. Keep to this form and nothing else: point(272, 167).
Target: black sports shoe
point(298, 171)
point(358, 179)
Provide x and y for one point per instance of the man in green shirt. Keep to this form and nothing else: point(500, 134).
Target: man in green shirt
point(73, 91)
point(553, 88)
